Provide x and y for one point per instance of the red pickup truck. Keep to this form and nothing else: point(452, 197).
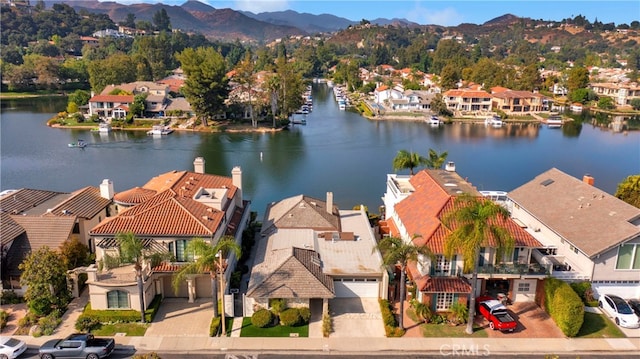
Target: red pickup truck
point(496, 313)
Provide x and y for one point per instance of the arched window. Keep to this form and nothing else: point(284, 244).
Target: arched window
point(117, 299)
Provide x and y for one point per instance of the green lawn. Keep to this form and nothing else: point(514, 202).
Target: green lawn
point(131, 329)
point(447, 330)
point(598, 326)
point(248, 330)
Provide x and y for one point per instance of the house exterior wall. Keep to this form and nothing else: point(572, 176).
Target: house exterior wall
point(581, 265)
point(605, 266)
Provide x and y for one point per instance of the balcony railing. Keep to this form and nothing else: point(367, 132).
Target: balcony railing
point(518, 269)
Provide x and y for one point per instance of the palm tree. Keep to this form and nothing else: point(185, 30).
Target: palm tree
point(396, 251)
point(131, 251)
point(212, 259)
point(405, 159)
point(474, 224)
point(436, 160)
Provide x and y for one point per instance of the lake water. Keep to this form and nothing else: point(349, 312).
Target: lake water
point(337, 151)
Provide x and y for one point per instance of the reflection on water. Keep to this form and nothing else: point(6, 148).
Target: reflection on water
point(337, 151)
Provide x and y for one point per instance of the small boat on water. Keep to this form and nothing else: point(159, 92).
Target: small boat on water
point(554, 120)
point(102, 127)
point(79, 144)
point(434, 121)
point(299, 121)
point(160, 130)
point(494, 121)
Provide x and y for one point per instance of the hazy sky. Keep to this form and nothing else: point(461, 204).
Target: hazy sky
point(439, 12)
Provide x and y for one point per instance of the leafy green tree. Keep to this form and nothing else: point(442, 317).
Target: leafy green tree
point(161, 20)
point(129, 20)
point(245, 77)
point(629, 190)
point(635, 103)
point(578, 78)
point(436, 160)
point(206, 87)
point(396, 251)
point(115, 69)
point(439, 107)
point(476, 223)
point(139, 105)
point(449, 76)
point(79, 97)
point(582, 95)
point(45, 275)
point(606, 103)
point(408, 160)
point(75, 254)
point(131, 251)
point(212, 259)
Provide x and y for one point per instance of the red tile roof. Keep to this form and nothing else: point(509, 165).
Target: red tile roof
point(166, 214)
point(467, 94)
point(134, 196)
point(421, 214)
point(429, 284)
point(112, 98)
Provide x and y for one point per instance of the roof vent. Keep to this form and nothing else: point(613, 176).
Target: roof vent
point(206, 218)
point(547, 182)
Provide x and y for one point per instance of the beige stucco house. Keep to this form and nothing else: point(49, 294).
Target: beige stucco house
point(587, 234)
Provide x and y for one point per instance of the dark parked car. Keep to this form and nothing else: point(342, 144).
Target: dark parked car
point(635, 305)
point(80, 345)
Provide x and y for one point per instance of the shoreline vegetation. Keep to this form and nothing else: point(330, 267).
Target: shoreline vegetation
point(229, 126)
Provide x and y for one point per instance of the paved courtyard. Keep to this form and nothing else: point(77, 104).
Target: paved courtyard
point(178, 317)
point(533, 322)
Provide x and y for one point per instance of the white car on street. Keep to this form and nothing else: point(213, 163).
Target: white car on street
point(11, 348)
point(618, 309)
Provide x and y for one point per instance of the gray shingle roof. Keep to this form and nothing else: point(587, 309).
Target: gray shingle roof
point(300, 212)
point(298, 276)
point(589, 218)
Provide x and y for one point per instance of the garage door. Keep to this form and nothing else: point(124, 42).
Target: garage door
point(170, 293)
point(525, 290)
point(350, 288)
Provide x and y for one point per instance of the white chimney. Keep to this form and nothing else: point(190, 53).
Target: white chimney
point(198, 165)
point(330, 202)
point(236, 178)
point(450, 166)
point(106, 189)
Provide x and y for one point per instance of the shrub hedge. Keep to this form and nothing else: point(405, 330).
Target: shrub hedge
point(305, 314)
point(125, 316)
point(564, 305)
point(262, 318)
point(290, 317)
point(389, 320)
point(214, 327)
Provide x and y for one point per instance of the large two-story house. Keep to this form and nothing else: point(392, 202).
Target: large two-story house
point(587, 234)
point(311, 251)
point(166, 213)
point(517, 102)
point(467, 100)
point(414, 210)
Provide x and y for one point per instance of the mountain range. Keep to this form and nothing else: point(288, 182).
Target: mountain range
point(227, 24)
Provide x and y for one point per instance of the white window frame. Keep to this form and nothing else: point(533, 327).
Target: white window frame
point(444, 301)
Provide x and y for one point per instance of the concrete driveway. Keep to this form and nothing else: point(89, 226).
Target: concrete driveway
point(177, 317)
point(533, 322)
point(356, 318)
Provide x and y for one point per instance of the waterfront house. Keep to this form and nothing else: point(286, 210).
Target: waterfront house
point(516, 102)
point(621, 93)
point(468, 101)
point(110, 106)
point(587, 234)
point(414, 207)
point(171, 209)
point(33, 218)
point(311, 251)
point(413, 100)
